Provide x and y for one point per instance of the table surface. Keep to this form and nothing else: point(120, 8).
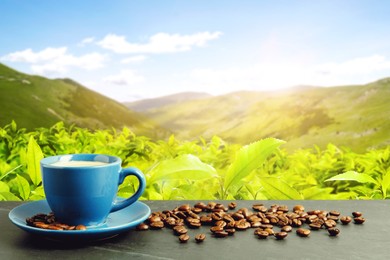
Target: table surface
point(370, 240)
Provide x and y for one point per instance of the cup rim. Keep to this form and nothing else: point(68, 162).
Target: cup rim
point(109, 159)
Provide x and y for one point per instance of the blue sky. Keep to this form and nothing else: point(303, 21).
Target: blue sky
point(130, 50)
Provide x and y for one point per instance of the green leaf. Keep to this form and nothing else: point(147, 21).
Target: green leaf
point(23, 187)
point(317, 193)
point(353, 176)
point(385, 183)
point(248, 158)
point(39, 191)
point(8, 196)
point(10, 171)
point(277, 189)
point(185, 166)
point(34, 156)
point(4, 187)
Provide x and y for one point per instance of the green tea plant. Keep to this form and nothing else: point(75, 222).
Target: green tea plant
point(197, 169)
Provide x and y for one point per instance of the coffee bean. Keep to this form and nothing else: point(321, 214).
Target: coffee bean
point(185, 207)
point(356, 214)
point(345, 220)
point(184, 238)
point(228, 218)
point(81, 227)
point(54, 227)
point(154, 219)
point(200, 205)
point(211, 206)
point(334, 213)
point(237, 216)
point(40, 224)
point(315, 226)
point(330, 223)
point(170, 222)
point(220, 223)
point(206, 220)
point(179, 230)
point(156, 225)
point(142, 227)
point(230, 231)
point(359, 220)
point(270, 231)
point(221, 234)
point(302, 232)
point(196, 210)
point(217, 216)
point(298, 208)
point(232, 205)
point(296, 222)
point(287, 228)
point(333, 231)
point(255, 224)
point(216, 229)
point(333, 217)
point(262, 234)
point(242, 225)
point(200, 237)
point(221, 206)
point(281, 235)
point(63, 226)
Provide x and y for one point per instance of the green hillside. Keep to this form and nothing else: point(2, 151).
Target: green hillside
point(357, 117)
point(151, 103)
point(34, 101)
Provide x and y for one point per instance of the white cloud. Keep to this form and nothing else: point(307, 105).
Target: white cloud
point(132, 59)
point(158, 43)
point(56, 60)
point(267, 76)
point(86, 41)
point(125, 77)
point(29, 56)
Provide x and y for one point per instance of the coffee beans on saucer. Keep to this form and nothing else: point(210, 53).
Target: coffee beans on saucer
point(223, 221)
point(49, 221)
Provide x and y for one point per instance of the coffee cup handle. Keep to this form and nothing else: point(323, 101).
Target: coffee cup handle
point(131, 171)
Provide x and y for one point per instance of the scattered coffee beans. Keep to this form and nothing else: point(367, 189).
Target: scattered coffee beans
point(274, 221)
point(49, 221)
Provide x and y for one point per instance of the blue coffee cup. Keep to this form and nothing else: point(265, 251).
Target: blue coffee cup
point(82, 188)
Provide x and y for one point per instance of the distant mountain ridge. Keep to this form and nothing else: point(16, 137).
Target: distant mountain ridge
point(35, 101)
point(356, 116)
point(151, 103)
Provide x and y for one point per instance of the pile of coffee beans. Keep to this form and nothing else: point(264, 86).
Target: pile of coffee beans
point(48, 221)
point(223, 221)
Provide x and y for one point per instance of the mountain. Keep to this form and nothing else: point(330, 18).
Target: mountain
point(147, 104)
point(34, 101)
point(357, 117)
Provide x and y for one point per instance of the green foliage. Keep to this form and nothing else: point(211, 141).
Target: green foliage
point(248, 158)
point(198, 169)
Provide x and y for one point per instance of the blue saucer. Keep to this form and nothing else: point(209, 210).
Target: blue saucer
point(116, 223)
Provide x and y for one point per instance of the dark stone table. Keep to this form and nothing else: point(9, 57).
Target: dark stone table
point(370, 240)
